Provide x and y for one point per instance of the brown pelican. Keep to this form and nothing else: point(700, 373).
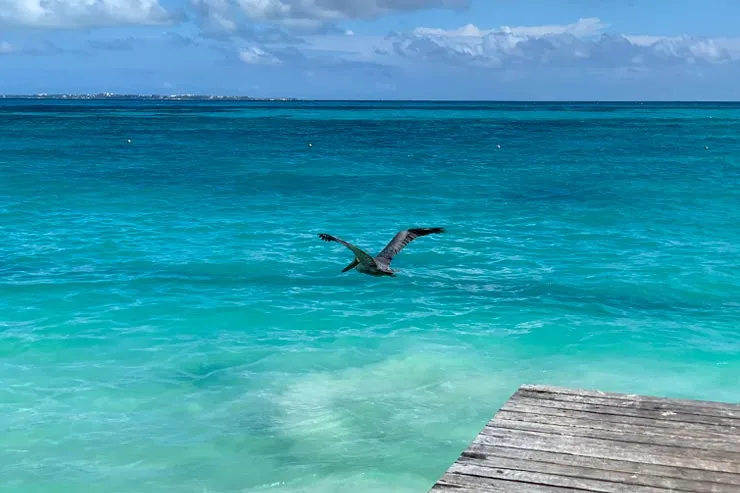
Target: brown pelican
point(380, 265)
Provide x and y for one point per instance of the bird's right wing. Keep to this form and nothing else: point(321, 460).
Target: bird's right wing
point(363, 257)
point(402, 239)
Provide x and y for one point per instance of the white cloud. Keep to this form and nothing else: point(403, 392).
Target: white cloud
point(257, 56)
point(582, 27)
point(582, 42)
point(312, 14)
point(216, 14)
point(223, 19)
point(82, 13)
point(6, 47)
point(336, 10)
point(688, 47)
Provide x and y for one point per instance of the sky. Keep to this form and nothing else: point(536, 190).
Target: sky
point(375, 49)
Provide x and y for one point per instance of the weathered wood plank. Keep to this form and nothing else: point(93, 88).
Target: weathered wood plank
point(453, 485)
point(720, 410)
point(551, 390)
point(556, 479)
point(490, 455)
point(728, 447)
point(636, 452)
point(464, 466)
point(658, 414)
point(476, 484)
point(523, 407)
point(555, 440)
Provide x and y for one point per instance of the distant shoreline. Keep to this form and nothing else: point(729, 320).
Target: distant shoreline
point(142, 97)
point(206, 97)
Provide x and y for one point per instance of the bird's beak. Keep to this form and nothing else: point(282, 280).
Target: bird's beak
point(351, 265)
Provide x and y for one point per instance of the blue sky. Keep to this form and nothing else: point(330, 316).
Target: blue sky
point(371, 49)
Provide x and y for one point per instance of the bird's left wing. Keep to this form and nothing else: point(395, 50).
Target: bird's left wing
point(402, 239)
point(363, 257)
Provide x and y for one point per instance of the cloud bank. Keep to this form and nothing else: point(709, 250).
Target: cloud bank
point(583, 43)
point(309, 15)
point(82, 13)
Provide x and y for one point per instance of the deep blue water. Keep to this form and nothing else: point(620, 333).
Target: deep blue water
point(170, 321)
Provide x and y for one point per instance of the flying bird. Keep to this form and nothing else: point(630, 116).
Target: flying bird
point(380, 265)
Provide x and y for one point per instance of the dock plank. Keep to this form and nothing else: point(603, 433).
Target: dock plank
point(650, 454)
point(554, 477)
point(522, 406)
point(557, 391)
point(616, 408)
point(553, 440)
point(648, 474)
point(725, 448)
point(643, 403)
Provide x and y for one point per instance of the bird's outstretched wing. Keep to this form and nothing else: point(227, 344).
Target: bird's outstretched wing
point(402, 239)
point(363, 257)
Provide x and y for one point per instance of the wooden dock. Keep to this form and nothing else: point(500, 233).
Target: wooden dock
point(557, 440)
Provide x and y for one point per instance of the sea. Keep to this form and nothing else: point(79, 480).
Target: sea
point(170, 321)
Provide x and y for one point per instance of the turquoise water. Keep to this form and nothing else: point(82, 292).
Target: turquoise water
point(170, 322)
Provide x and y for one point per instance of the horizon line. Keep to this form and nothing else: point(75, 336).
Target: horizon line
point(245, 98)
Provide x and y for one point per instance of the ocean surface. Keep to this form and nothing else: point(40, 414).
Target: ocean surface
point(170, 321)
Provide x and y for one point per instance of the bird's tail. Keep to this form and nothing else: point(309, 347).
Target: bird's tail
point(352, 265)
